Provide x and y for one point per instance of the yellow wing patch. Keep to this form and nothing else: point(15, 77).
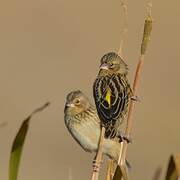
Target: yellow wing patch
point(108, 97)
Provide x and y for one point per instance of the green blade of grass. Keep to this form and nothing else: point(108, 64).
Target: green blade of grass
point(18, 143)
point(17, 150)
point(173, 171)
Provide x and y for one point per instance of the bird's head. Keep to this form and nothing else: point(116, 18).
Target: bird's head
point(113, 63)
point(76, 103)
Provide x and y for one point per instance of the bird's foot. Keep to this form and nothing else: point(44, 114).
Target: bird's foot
point(136, 99)
point(127, 139)
point(123, 137)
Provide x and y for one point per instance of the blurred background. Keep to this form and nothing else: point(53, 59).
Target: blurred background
point(48, 48)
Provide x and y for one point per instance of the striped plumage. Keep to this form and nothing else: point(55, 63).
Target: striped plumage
point(112, 93)
point(82, 121)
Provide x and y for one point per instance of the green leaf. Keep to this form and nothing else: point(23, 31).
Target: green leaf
point(173, 171)
point(118, 174)
point(18, 143)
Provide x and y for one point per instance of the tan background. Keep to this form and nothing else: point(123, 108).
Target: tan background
point(48, 48)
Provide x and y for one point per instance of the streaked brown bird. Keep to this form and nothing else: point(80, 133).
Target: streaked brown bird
point(112, 93)
point(82, 121)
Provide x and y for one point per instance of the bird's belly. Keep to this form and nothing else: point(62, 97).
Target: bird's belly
point(87, 134)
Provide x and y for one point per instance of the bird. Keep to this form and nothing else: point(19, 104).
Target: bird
point(83, 123)
point(112, 93)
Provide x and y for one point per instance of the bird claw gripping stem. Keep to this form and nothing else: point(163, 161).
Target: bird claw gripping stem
point(127, 139)
point(123, 137)
point(136, 99)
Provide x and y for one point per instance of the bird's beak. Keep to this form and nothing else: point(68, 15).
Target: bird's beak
point(104, 66)
point(67, 106)
point(70, 105)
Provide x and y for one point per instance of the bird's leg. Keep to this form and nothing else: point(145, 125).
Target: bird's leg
point(123, 137)
point(135, 98)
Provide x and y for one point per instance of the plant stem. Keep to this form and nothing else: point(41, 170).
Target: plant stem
point(146, 38)
point(98, 159)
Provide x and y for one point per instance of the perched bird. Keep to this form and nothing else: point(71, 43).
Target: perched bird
point(82, 121)
point(112, 93)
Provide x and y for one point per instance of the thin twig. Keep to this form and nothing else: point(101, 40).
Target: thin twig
point(146, 37)
point(113, 165)
point(108, 174)
point(110, 169)
point(98, 159)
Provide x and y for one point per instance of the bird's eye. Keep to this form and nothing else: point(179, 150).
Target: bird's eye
point(77, 101)
point(111, 64)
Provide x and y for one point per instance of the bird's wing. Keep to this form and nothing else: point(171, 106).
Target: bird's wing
point(111, 97)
